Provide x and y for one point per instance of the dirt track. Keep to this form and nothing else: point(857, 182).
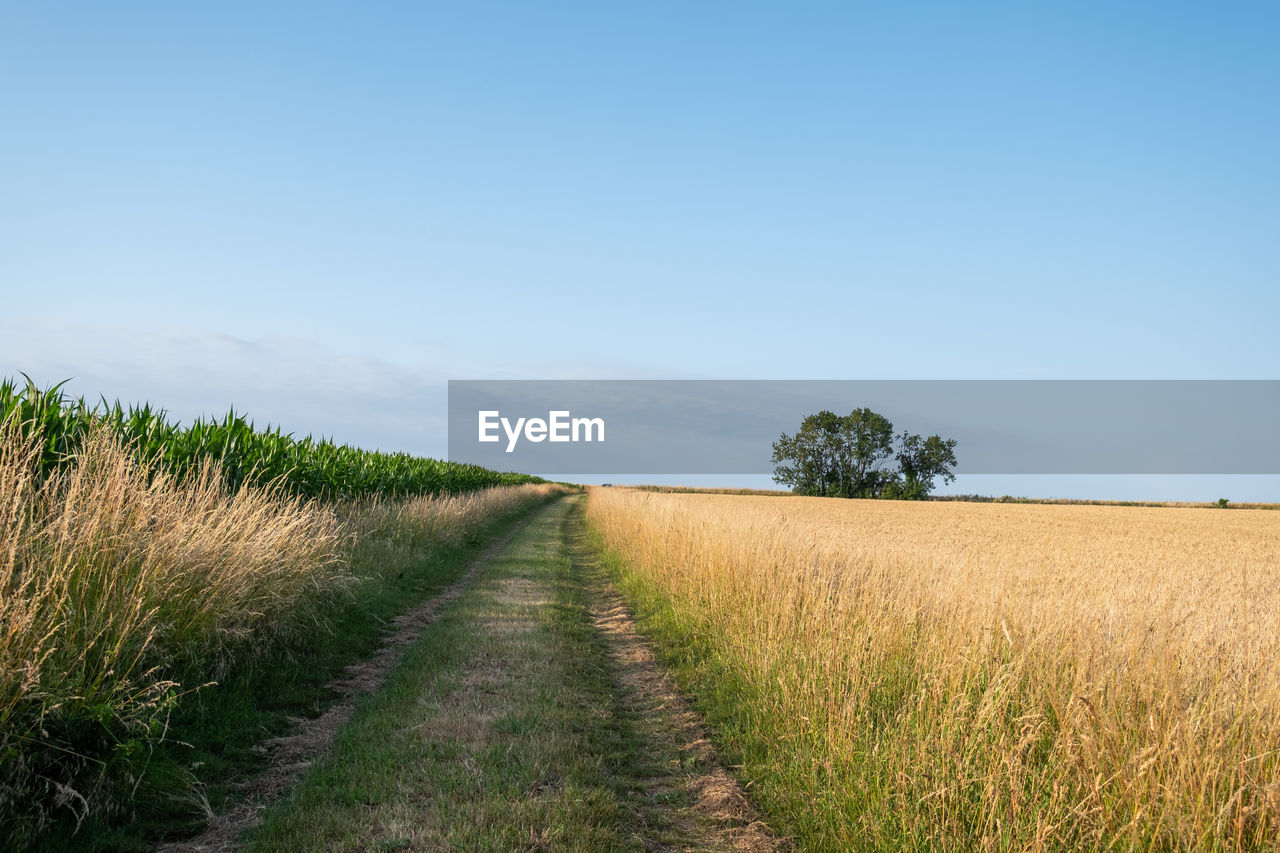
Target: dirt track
point(669, 790)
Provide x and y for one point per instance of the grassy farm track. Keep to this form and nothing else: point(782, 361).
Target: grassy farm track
point(527, 716)
point(290, 755)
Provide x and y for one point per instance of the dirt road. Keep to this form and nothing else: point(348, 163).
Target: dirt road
point(519, 710)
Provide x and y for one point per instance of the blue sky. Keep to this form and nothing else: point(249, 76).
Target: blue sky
point(321, 212)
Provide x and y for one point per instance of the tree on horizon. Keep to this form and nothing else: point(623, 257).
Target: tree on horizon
point(845, 456)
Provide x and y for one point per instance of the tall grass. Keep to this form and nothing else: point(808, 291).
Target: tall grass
point(120, 576)
point(114, 575)
point(447, 519)
point(975, 676)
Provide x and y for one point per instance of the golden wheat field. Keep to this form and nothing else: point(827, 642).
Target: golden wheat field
point(958, 676)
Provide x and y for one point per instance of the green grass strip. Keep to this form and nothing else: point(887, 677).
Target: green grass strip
point(215, 732)
point(496, 731)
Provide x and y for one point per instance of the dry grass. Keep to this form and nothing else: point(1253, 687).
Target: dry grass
point(293, 753)
point(113, 576)
point(964, 676)
point(117, 578)
point(444, 519)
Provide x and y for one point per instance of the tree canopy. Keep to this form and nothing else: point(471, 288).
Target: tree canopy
point(850, 456)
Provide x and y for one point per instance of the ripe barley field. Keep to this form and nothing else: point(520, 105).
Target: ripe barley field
point(973, 676)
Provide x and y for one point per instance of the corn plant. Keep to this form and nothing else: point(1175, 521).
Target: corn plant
point(307, 467)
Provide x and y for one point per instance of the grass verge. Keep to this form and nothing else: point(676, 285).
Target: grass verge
point(497, 730)
point(397, 554)
point(742, 731)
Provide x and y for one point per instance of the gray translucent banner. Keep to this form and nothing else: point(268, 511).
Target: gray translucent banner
point(1001, 427)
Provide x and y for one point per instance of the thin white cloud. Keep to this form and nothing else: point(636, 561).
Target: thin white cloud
point(300, 384)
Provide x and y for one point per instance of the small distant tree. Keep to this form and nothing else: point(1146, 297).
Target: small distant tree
point(923, 460)
point(844, 456)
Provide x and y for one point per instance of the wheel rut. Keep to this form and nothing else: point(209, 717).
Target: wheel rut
point(533, 716)
point(687, 798)
point(290, 755)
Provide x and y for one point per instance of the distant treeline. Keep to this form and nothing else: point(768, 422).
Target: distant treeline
point(306, 467)
point(1221, 503)
point(974, 498)
point(710, 490)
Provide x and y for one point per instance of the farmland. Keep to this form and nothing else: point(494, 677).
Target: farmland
point(876, 674)
point(161, 584)
point(966, 676)
point(306, 467)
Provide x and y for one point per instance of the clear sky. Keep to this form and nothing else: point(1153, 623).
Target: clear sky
point(320, 212)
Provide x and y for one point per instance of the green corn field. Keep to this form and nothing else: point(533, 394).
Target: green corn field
point(307, 467)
